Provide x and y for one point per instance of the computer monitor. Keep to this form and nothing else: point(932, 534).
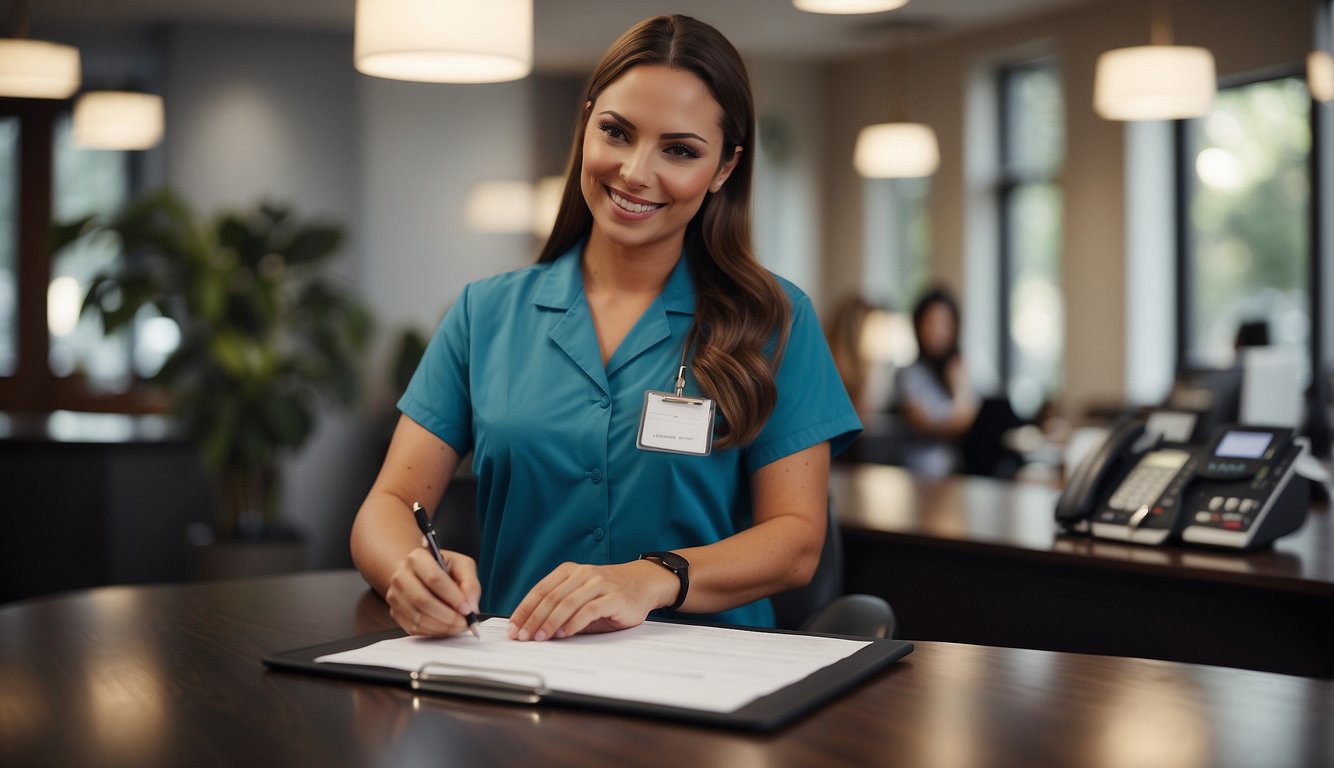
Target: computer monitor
point(1213, 394)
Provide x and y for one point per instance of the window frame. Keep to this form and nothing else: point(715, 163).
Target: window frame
point(33, 388)
point(1184, 242)
point(1009, 182)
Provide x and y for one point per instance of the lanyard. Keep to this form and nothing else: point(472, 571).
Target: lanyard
point(681, 383)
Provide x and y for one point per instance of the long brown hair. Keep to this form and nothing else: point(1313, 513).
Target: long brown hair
point(741, 313)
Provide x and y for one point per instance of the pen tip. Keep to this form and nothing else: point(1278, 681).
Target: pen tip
point(475, 633)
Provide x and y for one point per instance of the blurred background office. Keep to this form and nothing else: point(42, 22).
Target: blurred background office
point(1097, 257)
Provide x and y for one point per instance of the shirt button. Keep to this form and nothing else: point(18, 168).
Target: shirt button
point(605, 402)
point(599, 534)
point(595, 475)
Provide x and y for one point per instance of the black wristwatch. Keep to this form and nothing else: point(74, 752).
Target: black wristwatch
point(677, 565)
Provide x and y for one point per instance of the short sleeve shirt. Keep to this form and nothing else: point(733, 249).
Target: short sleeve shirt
point(931, 456)
point(515, 375)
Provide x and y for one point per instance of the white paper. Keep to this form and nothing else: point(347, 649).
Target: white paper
point(678, 665)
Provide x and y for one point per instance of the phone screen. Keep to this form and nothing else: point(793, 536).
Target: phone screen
point(1243, 445)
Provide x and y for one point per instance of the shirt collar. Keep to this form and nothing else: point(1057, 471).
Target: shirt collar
point(564, 283)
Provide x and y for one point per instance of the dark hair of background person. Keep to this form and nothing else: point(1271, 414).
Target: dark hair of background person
point(937, 364)
point(740, 308)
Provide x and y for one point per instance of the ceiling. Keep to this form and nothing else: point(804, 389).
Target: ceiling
point(571, 34)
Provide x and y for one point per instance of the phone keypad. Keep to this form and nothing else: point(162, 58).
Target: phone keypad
point(1144, 485)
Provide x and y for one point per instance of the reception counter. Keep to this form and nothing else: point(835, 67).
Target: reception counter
point(976, 560)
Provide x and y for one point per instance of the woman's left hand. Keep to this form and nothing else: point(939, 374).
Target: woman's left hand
point(577, 598)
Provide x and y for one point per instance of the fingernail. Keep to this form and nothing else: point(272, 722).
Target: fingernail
point(540, 636)
point(560, 634)
point(512, 631)
point(523, 634)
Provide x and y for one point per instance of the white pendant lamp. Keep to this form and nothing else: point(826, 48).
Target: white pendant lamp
point(1154, 82)
point(1160, 81)
point(120, 120)
point(848, 6)
point(896, 151)
point(444, 41)
point(1320, 75)
point(500, 207)
point(37, 69)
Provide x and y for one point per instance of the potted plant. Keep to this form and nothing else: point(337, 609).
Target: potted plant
point(267, 334)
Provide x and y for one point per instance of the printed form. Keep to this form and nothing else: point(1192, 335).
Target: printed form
point(680, 665)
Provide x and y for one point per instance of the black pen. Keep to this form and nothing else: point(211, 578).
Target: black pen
point(428, 531)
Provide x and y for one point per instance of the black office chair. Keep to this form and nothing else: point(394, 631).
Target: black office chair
point(821, 606)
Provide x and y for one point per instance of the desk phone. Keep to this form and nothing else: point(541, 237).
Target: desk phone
point(1237, 491)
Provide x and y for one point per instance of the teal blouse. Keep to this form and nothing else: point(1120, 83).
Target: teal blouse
point(514, 374)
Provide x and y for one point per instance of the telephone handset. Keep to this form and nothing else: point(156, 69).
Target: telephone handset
point(1104, 466)
point(1239, 491)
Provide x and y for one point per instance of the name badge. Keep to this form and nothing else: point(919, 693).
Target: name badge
point(676, 424)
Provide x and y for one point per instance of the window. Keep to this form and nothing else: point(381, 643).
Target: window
point(898, 241)
point(1247, 221)
point(1032, 150)
point(9, 247)
point(50, 358)
point(86, 182)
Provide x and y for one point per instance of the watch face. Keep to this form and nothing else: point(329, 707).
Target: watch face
point(671, 560)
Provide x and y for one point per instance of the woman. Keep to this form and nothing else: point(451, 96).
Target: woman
point(588, 520)
point(933, 393)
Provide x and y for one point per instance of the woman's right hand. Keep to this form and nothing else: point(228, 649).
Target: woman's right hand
point(425, 600)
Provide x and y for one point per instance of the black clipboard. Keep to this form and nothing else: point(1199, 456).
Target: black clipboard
point(765, 713)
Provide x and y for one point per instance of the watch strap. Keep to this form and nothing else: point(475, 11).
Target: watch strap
point(677, 565)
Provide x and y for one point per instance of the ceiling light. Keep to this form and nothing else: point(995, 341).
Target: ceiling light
point(848, 6)
point(546, 204)
point(1159, 81)
point(444, 41)
point(117, 120)
point(37, 69)
point(896, 151)
point(1320, 75)
point(500, 207)
point(1154, 82)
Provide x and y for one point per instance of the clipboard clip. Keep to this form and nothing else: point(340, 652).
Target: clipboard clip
point(509, 685)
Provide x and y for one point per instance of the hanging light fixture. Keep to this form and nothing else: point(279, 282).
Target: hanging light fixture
point(898, 149)
point(36, 69)
point(848, 6)
point(1160, 81)
point(500, 207)
point(444, 41)
point(1320, 75)
point(118, 120)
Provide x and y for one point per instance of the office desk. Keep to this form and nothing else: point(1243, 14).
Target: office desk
point(171, 676)
point(976, 560)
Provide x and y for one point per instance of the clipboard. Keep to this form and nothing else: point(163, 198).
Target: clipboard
point(765, 713)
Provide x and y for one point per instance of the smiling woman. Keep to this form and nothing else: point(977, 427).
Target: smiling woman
point(649, 411)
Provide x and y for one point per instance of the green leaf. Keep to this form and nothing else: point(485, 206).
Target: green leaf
point(64, 233)
point(313, 244)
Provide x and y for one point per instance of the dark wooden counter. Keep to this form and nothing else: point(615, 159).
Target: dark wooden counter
point(88, 499)
point(976, 560)
point(170, 675)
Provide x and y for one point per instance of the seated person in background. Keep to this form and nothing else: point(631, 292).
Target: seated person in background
point(933, 393)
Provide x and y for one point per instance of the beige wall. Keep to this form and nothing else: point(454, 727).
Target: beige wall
point(1243, 34)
